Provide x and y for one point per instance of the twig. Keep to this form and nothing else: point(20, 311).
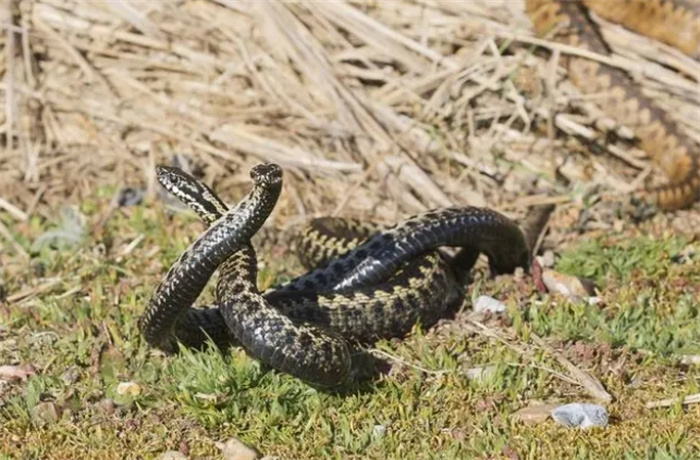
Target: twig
point(684, 400)
point(5, 233)
point(10, 50)
point(13, 210)
point(87, 68)
point(34, 291)
point(384, 354)
point(590, 383)
point(582, 378)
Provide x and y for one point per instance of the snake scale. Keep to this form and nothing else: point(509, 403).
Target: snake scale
point(675, 22)
point(374, 283)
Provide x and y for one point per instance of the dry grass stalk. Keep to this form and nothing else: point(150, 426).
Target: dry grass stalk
point(575, 375)
point(375, 109)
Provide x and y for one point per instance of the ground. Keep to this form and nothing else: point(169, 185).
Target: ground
point(367, 123)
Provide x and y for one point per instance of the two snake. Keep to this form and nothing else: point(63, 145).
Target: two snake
point(378, 283)
point(370, 283)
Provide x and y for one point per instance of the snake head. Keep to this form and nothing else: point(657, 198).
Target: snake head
point(518, 258)
point(177, 181)
point(266, 174)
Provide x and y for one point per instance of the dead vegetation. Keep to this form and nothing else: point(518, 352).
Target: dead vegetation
point(374, 108)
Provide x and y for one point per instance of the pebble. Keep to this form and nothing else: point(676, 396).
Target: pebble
point(581, 415)
point(106, 406)
point(172, 455)
point(378, 431)
point(569, 286)
point(485, 303)
point(479, 374)
point(548, 259)
point(70, 375)
point(130, 196)
point(46, 411)
point(235, 449)
point(16, 373)
point(128, 388)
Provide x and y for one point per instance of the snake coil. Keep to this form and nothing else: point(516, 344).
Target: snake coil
point(379, 284)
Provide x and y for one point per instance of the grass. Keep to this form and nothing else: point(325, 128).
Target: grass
point(81, 338)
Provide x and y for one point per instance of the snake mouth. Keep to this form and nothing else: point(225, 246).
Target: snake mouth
point(266, 174)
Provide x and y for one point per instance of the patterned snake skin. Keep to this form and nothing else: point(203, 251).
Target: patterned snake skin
point(676, 22)
point(304, 327)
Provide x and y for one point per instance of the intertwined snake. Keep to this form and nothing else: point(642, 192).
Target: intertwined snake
point(381, 286)
point(676, 22)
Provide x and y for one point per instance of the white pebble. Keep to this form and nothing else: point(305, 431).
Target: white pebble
point(378, 431)
point(578, 415)
point(479, 374)
point(485, 303)
point(172, 455)
point(128, 388)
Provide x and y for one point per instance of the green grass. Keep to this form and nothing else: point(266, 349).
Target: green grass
point(82, 339)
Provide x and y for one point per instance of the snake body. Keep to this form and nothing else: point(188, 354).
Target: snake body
point(304, 327)
point(187, 278)
point(379, 282)
point(675, 22)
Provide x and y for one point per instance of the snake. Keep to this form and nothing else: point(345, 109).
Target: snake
point(675, 22)
point(371, 282)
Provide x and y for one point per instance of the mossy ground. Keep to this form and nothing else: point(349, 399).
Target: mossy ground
point(80, 335)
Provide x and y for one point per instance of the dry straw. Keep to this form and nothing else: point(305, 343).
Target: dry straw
point(374, 108)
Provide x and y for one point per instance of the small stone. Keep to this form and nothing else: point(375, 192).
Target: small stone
point(458, 434)
point(106, 406)
point(16, 373)
point(686, 255)
point(378, 431)
point(534, 413)
point(570, 286)
point(605, 124)
point(625, 132)
point(577, 415)
point(172, 455)
point(235, 449)
point(485, 303)
point(70, 375)
point(480, 374)
point(130, 196)
point(689, 359)
point(47, 412)
point(128, 389)
point(548, 259)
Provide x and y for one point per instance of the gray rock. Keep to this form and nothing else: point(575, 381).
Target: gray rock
point(581, 415)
